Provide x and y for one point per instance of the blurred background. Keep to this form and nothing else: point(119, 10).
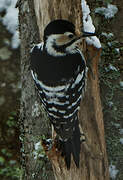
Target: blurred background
point(9, 90)
point(107, 17)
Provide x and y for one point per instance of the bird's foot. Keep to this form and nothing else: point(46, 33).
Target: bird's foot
point(47, 144)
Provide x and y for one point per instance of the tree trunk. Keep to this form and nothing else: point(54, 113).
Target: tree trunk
point(34, 16)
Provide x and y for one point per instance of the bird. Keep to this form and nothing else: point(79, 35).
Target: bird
point(59, 69)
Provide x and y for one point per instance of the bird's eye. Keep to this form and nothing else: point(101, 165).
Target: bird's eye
point(70, 36)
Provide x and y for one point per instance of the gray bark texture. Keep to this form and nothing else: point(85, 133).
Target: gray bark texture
point(34, 15)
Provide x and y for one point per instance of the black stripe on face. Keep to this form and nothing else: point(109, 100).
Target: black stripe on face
point(62, 48)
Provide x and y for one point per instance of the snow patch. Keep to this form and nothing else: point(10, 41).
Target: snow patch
point(38, 151)
point(113, 171)
point(121, 83)
point(121, 140)
point(108, 35)
point(117, 50)
point(110, 68)
point(37, 146)
point(88, 25)
point(4, 4)
point(15, 41)
point(109, 44)
point(113, 68)
point(10, 20)
point(108, 12)
point(110, 103)
point(121, 131)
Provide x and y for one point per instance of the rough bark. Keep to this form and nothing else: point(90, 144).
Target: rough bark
point(34, 16)
point(33, 121)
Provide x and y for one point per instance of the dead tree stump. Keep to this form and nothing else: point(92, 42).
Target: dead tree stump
point(34, 16)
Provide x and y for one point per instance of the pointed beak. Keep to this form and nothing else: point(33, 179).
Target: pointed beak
point(80, 36)
point(86, 34)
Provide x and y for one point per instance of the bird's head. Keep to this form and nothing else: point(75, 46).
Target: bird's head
point(60, 38)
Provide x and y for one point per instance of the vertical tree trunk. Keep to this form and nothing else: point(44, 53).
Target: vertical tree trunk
point(34, 16)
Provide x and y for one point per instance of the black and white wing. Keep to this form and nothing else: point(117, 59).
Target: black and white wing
point(62, 101)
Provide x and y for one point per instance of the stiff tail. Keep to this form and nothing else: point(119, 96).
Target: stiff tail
point(72, 146)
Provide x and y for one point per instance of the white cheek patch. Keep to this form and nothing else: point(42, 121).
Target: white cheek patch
point(49, 46)
point(53, 39)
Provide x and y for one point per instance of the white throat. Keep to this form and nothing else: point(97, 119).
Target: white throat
point(52, 51)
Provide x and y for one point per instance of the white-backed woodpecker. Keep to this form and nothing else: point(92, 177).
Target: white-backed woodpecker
point(59, 71)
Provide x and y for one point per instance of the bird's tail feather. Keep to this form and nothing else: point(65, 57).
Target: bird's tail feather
point(72, 146)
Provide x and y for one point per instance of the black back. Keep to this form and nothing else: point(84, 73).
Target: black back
point(52, 69)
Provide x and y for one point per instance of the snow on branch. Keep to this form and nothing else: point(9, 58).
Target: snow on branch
point(88, 25)
point(108, 12)
point(10, 20)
